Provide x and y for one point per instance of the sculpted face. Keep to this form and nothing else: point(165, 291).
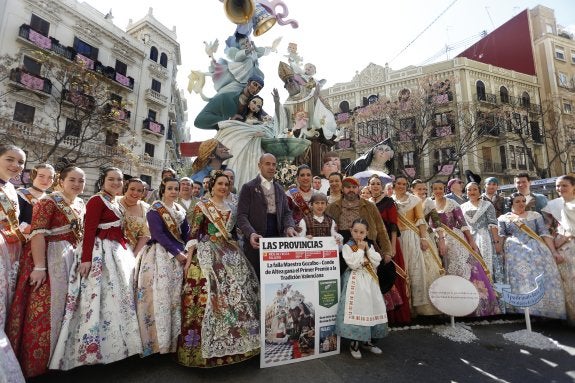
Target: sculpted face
point(292, 86)
point(254, 88)
point(222, 152)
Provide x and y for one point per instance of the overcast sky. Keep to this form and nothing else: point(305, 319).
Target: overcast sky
point(340, 37)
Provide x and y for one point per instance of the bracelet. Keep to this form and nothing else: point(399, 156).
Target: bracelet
point(39, 269)
point(423, 239)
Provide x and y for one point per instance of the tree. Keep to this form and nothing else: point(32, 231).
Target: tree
point(82, 118)
point(430, 132)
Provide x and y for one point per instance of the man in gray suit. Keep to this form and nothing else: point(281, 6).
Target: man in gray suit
point(263, 210)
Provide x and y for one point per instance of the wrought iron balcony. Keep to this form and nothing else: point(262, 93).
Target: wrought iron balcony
point(30, 81)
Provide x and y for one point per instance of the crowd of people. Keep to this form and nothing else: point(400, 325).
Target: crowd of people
point(96, 281)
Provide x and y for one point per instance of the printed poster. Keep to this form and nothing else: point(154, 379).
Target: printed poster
point(300, 290)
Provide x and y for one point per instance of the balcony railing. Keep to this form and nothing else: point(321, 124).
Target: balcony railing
point(486, 97)
point(442, 131)
point(51, 44)
point(344, 143)
point(153, 127)
point(31, 81)
point(492, 167)
point(79, 99)
point(489, 131)
point(117, 113)
point(151, 161)
point(156, 97)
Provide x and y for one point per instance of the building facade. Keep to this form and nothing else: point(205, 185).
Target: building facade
point(443, 119)
point(83, 90)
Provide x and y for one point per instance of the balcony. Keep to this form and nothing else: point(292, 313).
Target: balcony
point(492, 167)
point(492, 131)
point(26, 80)
point(151, 162)
point(155, 128)
point(442, 131)
point(78, 99)
point(344, 143)
point(156, 97)
point(118, 114)
point(486, 97)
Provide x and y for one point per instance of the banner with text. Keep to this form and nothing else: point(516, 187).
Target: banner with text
point(300, 290)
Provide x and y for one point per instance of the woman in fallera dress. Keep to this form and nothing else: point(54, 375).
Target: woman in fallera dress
point(12, 160)
point(220, 301)
point(42, 176)
point(39, 304)
point(100, 324)
point(459, 250)
point(159, 272)
point(134, 210)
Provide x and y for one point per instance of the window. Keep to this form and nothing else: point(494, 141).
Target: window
point(567, 107)
point(149, 149)
point(441, 119)
point(344, 106)
point(503, 156)
point(560, 53)
point(525, 100)
point(480, 87)
point(372, 99)
point(512, 156)
point(404, 95)
point(406, 129)
point(73, 127)
point(521, 160)
point(115, 99)
point(39, 25)
point(121, 68)
point(563, 79)
point(408, 159)
point(31, 65)
point(164, 60)
point(152, 114)
point(85, 49)
point(24, 113)
point(156, 86)
point(504, 95)
point(112, 138)
point(530, 155)
point(535, 132)
point(154, 54)
point(572, 57)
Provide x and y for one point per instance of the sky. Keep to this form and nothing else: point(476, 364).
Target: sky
point(341, 39)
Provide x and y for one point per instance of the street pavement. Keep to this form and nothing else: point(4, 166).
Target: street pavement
point(410, 355)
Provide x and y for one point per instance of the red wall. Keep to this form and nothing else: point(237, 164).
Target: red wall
point(509, 46)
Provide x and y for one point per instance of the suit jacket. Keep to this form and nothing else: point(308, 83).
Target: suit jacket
point(368, 211)
point(252, 209)
point(498, 203)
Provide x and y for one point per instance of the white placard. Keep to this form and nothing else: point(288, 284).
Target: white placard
point(454, 295)
point(300, 291)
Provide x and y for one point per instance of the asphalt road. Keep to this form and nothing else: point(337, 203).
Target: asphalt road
point(412, 355)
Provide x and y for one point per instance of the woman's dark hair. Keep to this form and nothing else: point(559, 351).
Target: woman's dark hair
point(567, 178)
point(374, 176)
point(162, 189)
point(300, 168)
point(214, 177)
point(399, 177)
point(513, 196)
point(336, 174)
point(132, 180)
point(6, 148)
point(67, 170)
point(362, 221)
point(34, 170)
point(103, 174)
point(259, 115)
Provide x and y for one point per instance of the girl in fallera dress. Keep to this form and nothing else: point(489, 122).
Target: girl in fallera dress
point(529, 251)
point(12, 160)
point(361, 314)
point(460, 252)
point(134, 210)
point(220, 301)
point(159, 272)
point(299, 196)
point(39, 304)
point(100, 324)
point(42, 176)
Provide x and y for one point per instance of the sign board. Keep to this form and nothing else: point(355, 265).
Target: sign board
point(300, 291)
point(454, 295)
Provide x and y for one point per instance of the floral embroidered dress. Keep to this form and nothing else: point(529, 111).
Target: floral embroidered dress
point(526, 258)
point(100, 324)
point(220, 301)
point(480, 220)
point(460, 261)
point(361, 314)
point(397, 299)
point(136, 226)
point(36, 316)
point(10, 247)
point(563, 220)
point(423, 267)
point(159, 278)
